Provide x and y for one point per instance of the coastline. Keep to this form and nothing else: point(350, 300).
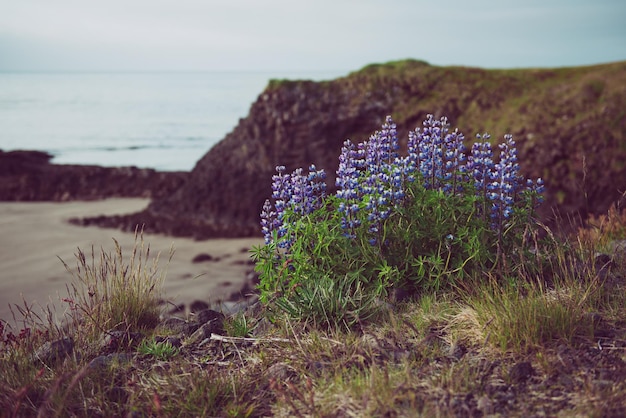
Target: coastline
point(33, 236)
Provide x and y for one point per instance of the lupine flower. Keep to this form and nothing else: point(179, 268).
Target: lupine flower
point(438, 154)
point(505, 182)
point(454, 160)
point(536, 188)
point(269, 223)
point(281, 192)
point(481, 163)
point(349, 190)
point(480, 166)
point(431, 153)
point(297, 192)
point(383, 181)
point(307, 192)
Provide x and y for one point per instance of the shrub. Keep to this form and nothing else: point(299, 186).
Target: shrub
point(418, 222)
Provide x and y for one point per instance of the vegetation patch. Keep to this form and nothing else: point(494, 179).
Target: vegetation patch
point(423, 287)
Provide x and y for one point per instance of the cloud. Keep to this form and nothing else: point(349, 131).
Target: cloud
point(290, 34)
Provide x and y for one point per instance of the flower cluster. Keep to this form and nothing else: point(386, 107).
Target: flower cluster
point(373, 179)
point(297, 192)
point(349, 190)
point(506, 182)
point(438, 154)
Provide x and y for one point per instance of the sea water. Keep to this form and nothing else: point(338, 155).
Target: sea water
point(165, 121)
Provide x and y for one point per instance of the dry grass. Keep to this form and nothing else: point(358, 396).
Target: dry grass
point(555, 347)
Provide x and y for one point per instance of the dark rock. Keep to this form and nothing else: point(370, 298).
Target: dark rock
point(457, 350)
point(54, 351)
point(208, 315)
point(117, 394)
point(603, 264)
point(521, 372)
point(200, 258)
point(211, 327)
point(29, 176)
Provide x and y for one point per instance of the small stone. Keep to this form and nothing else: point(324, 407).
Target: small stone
point(55, 351)
point(262, 327)
point(279, 371)
point(521, 371)
point(207, 315)
point(202, 257)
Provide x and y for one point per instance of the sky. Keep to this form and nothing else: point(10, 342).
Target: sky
point(295, 35)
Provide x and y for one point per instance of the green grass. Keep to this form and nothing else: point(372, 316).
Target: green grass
point(440, 354)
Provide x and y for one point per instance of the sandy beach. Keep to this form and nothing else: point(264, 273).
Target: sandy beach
point(33, 236)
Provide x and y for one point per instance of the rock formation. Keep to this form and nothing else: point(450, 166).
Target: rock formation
point(29, 176)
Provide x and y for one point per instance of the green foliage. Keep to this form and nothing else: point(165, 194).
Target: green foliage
point(238, 325)
point(160, 350)
point(324, 278)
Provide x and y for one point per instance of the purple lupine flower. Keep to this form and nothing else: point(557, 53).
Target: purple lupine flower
point(269, 223)
point(480, 166)
point(412, 161)
point(505, 183)
point(438, 154)
point(389, 141)
point(349, 190)
point(481, 163)
point(536, 188)
point(281, 193)
point(297, 192)
point(307, 191)
point(431, 153)
point(383, 183)
point(454, 157)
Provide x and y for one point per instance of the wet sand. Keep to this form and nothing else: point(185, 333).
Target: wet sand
point(33, 236)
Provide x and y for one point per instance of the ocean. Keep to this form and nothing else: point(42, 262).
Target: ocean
point(165, 121)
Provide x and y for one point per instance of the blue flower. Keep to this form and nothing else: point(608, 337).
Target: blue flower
point(297, 192)
point(349, 189)
point(505, 185)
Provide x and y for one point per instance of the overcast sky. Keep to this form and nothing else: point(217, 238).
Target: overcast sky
point(292, 35)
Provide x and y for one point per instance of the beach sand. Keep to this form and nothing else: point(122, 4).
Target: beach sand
point(33, 236)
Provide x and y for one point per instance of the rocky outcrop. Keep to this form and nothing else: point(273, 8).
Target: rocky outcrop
point(29, 176)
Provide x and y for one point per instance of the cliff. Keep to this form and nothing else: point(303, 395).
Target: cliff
point(569, 124)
